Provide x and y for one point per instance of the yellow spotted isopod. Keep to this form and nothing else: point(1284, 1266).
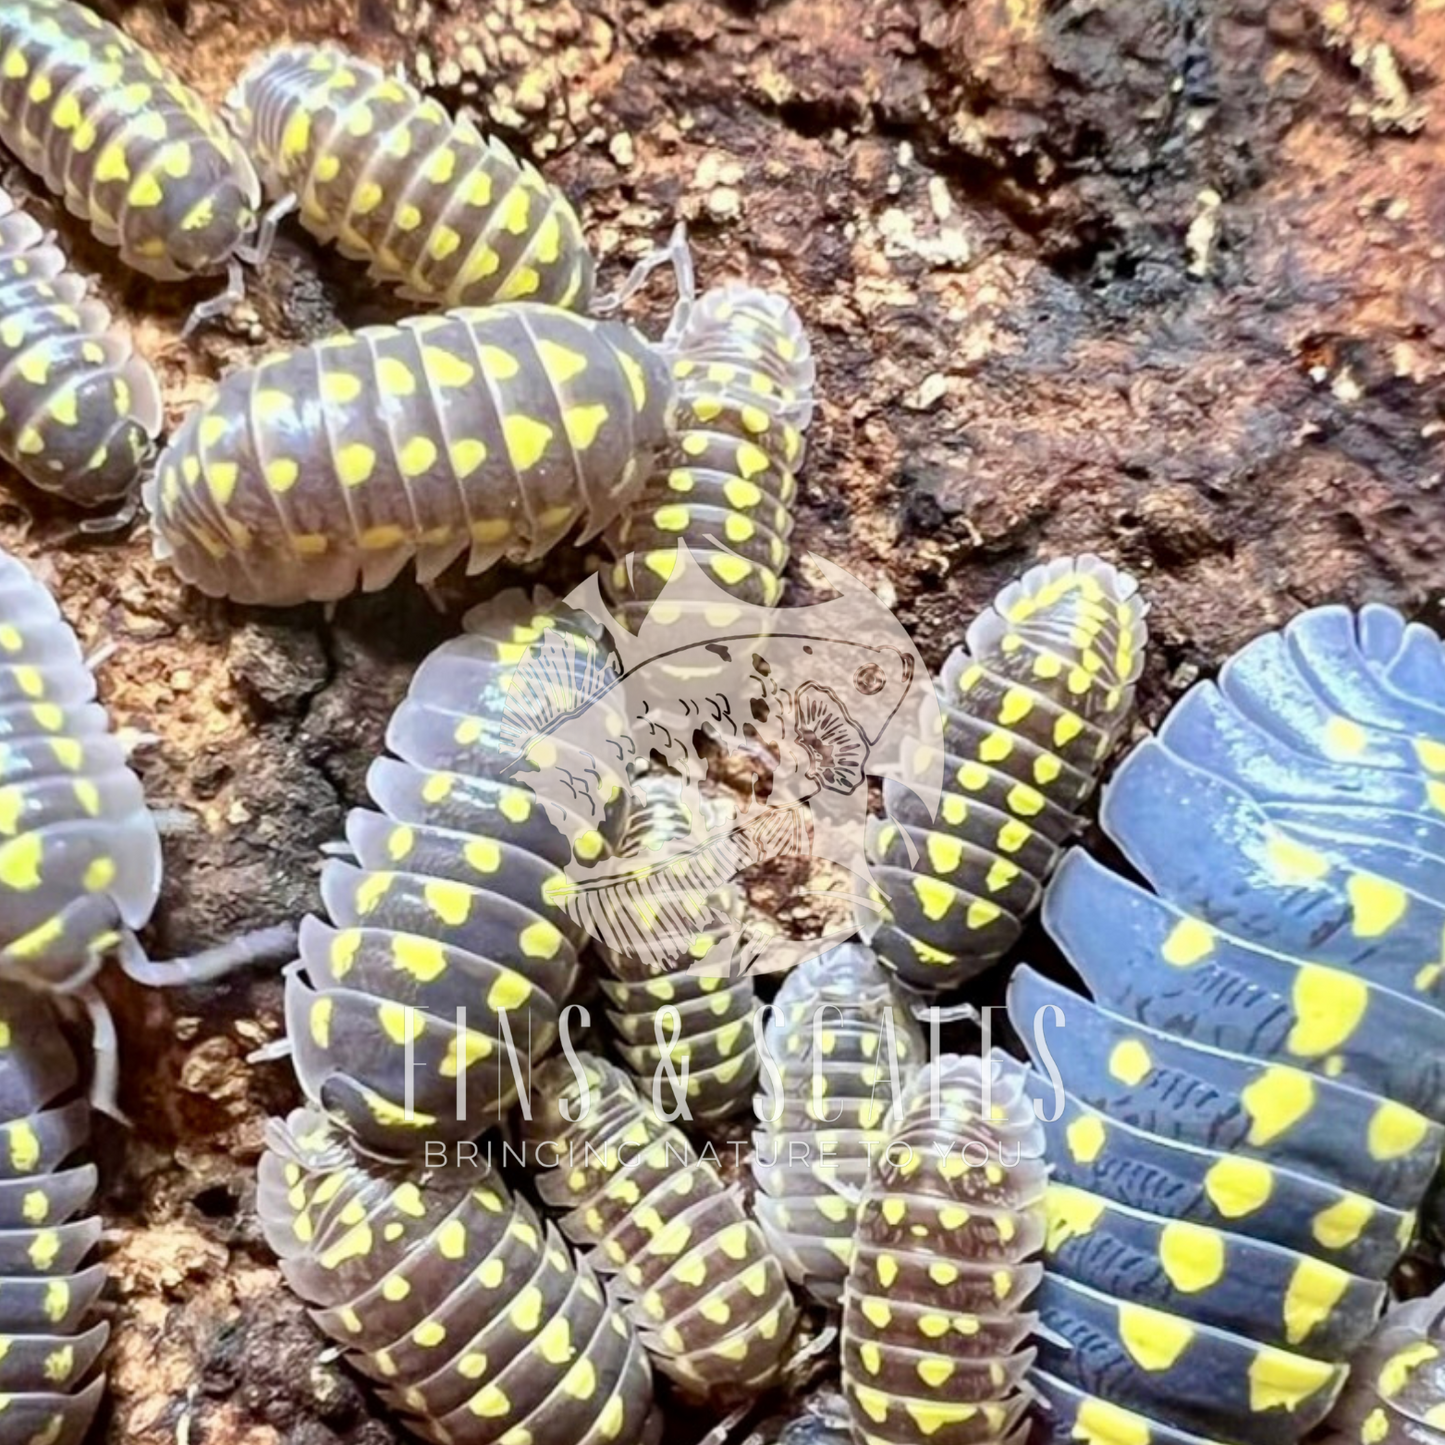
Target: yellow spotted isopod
point(131, 149)
point(1396, 1389)
point(491, 431)
point(80, 871)
point(50, 1371)
point(705, 1018)
point(725, 487)
point(1244, 1115)
point(1033, 702)
point(438, 978)
point(935, 1311)
point(79, 406)
point(434, 207)
point(842, 1044)
point(472, 1319)
point(697, 1274)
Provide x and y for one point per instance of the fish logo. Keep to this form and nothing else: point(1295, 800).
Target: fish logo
point(763, 725)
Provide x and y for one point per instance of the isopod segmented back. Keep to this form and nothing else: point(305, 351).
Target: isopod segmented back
point(447, 905)
point(50, 1380)
point(486, 431)
point(80, 866)
point(80, 854)
point(80, 857)
point(935, 1333)
point(1168, 1084)
point(471, 1317)
point(1033, 702)
point(667, 1005)
point(449, 216)
point(127, 146)
point(79, 406)
point(707, 1293)
point(1252, 1102)
point(842, 1044)
point(744, 372)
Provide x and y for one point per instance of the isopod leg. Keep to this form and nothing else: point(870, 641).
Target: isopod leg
point(255, 253)
point(677, 254)
point(174, 822)
point(222, 303)
point(271, 1053)
point(720, 1432)
point(106, 1070)
point(116, 521)
point(263, 945)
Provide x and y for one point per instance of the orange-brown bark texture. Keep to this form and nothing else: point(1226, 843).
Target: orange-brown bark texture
point(1162, 279)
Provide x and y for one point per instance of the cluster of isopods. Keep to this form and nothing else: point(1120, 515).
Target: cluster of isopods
point(492, 429)
point(1189, 1243)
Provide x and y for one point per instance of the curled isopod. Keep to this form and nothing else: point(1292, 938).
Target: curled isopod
point(79, 406)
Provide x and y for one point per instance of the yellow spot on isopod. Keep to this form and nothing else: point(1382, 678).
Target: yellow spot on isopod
point(515, 211)
point(57, 1300)
point(1395, 1131)
point(175, 160)
point(281, 474)
point(498, 364)
point(446, 369)
point(1328, 1007)
point(340, 387)
point(320, 1022)
point(1276, 1100)
point(1278, 1379)
point(1238, 1186)
point(395, 377)
point(466, 456)
point(24, 1146)
point(20, 862)
point(1192, 1256)
point(444, 240)
point(1154, 1340)
point(145, 192)
point(1129, 1062)
point(110, 164)
point(417, 456)
point(367, 198)
point(297, 135)
point(451, 902)
point(355, 462)
point(99, 875)
point(583, 423)
point(523, 281)
point(527, 440)
point(562, 362)
point(1378, 904)
point(34, 366)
